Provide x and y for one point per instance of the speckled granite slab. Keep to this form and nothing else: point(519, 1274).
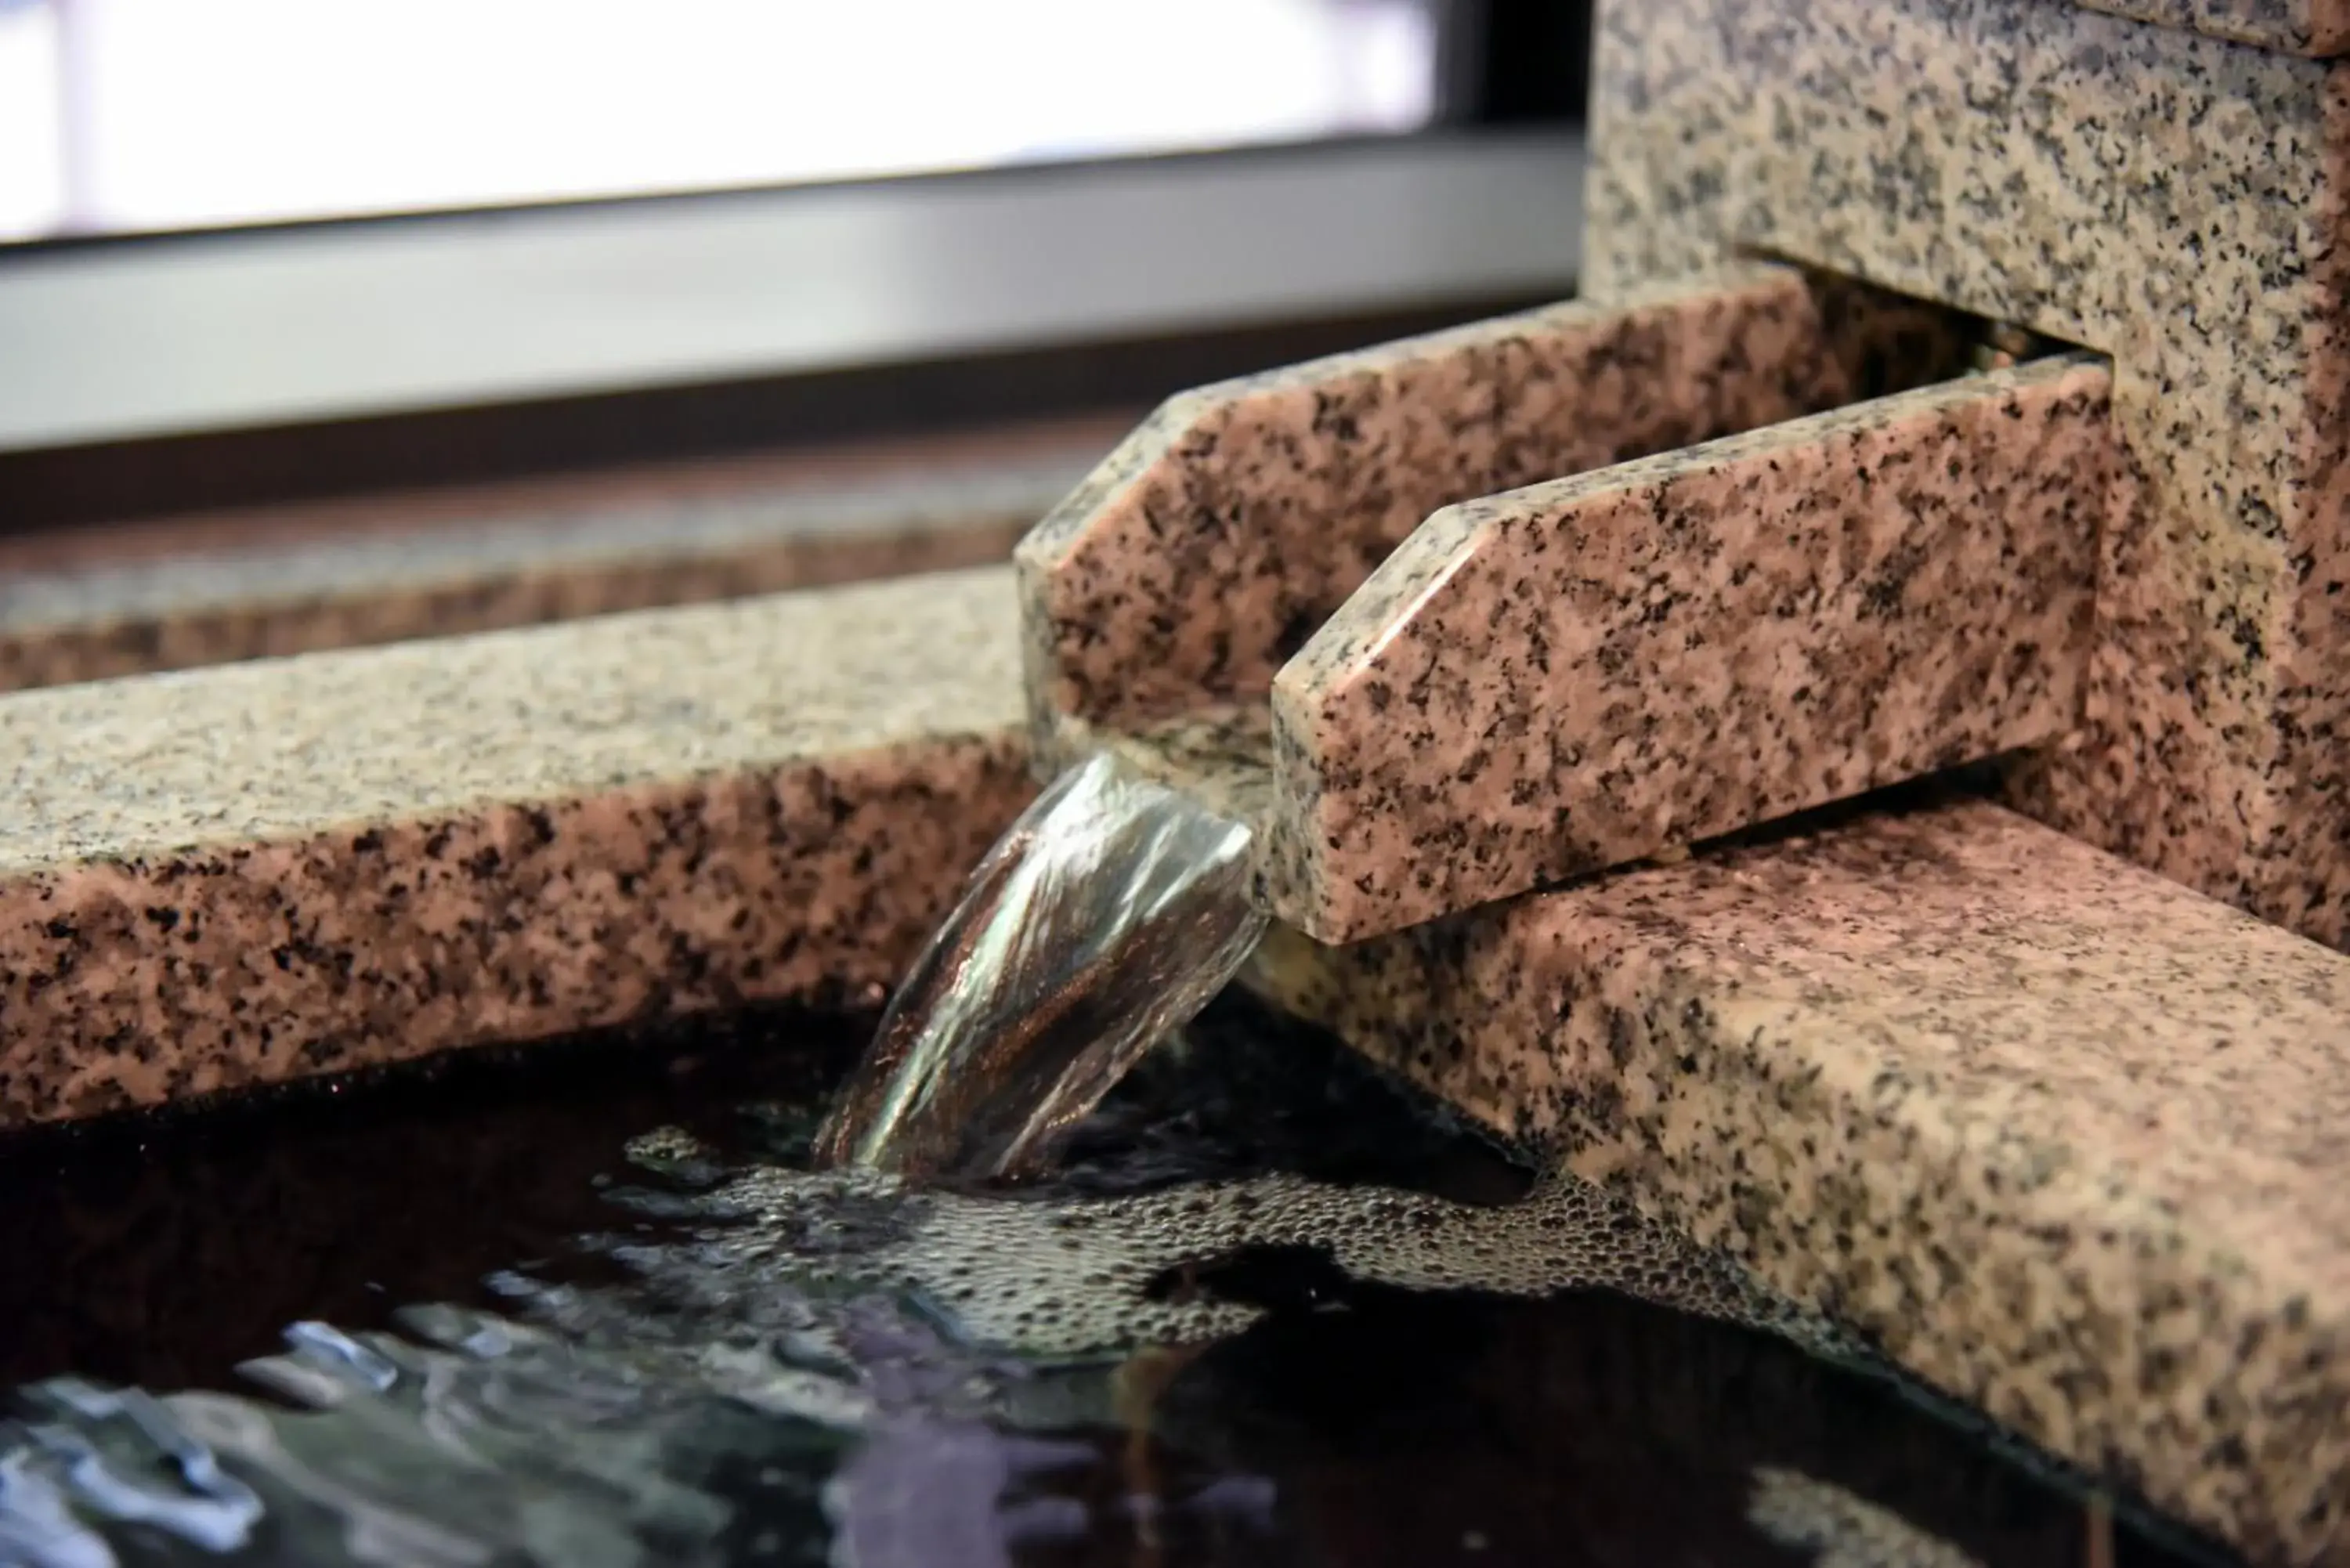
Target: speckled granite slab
point(258, 872)
point(633, 543)
point(2177, 202)
point(1581, 673)
point(2319, 27)
point(1204, 551)
point(2064, 1138)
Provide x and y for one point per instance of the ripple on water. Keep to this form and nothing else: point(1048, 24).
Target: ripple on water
point(1212, 1335)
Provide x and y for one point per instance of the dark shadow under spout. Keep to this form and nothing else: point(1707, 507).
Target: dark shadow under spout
point(1110, 913)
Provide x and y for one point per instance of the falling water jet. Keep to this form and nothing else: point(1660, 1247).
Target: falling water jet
point(1112, 911)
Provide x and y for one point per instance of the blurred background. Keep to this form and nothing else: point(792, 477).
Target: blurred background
point(137, 116)
point(276, 275)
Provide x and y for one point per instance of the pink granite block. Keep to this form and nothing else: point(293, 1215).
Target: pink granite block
point(203, 589)
point(1199, 554)
point(1581, 673)
point(2063, 1137)
point(2177, 201)
point(254, 873)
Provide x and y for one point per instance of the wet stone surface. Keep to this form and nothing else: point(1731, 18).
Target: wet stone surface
point(585, 1305)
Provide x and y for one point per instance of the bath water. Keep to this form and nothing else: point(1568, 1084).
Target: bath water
point(1237, 1300)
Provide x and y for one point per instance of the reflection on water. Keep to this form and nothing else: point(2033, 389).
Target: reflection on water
point(1275, 1312)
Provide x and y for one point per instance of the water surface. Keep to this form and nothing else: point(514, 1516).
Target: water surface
point(587, 1305)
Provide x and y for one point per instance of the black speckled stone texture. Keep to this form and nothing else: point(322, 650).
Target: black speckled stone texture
point(1199, 554)
point(350, 577)
point(2176, 200)
point(243, 874)
point(2061, 1135)
point(1583, 673)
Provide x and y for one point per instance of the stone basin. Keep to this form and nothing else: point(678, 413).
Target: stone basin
point(2050, 1130)
point(1881, 823)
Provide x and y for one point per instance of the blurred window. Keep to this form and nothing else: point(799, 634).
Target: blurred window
point(125, 116)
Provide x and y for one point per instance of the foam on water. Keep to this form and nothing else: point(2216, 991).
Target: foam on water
point(836, 1367)
point(1078, 1277)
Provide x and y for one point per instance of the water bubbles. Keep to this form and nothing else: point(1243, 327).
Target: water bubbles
point(318, 1342)
point(1843, 1531)
point(1056, 1277)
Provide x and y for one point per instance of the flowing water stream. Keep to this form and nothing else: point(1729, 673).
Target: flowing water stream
point(1110, 913)
point(621, 1303)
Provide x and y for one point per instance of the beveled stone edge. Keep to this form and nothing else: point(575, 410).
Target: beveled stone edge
point(2314, 29)
point(1103, 551)
point(813, 881)
point(158, 948)
point(104, 620)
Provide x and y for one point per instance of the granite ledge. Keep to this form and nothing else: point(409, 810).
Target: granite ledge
point(2062, 1136)
point(1202, 552)
point(266, 871)
point(2314, 27)
point(200, 591)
